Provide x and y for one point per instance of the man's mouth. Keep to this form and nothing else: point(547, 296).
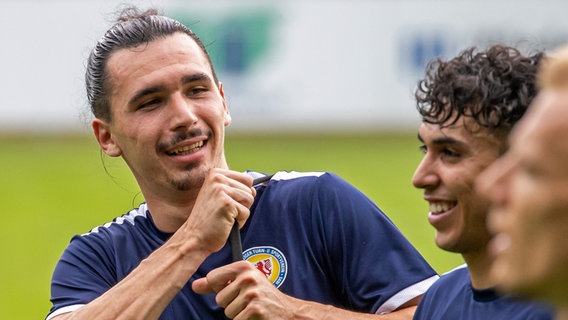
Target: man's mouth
point(440, 207)
point(499, 243)
point(186, 149)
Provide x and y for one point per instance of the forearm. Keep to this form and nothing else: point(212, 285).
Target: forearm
point(150, 287)
point(245, 293)
point(307, 310)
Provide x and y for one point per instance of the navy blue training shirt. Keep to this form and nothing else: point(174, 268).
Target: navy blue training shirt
point(312, 234)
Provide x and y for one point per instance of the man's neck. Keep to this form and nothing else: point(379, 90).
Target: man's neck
point(479, 264)
point(169, 214)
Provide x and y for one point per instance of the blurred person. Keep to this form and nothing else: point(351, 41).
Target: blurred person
point(468, 106)
point(315, 247)
point(528, 189)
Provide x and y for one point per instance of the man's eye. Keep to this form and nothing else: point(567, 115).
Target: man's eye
point(149, 104)
point(196, 90)
point(531, 170)
point(449, 153)
point(422, 149)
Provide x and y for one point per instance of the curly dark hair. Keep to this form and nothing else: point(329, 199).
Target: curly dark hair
point(493, 87)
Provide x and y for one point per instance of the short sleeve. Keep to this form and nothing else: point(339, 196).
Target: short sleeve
point(373, 261)
point(84, 272)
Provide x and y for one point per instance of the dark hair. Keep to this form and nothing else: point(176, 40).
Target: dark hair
point(132, 28)
point(494, 87)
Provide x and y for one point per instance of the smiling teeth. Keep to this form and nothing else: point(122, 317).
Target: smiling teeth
point(187, 149)
point(439, 207)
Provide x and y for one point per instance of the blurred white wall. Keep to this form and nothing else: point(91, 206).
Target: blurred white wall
point(286, 65)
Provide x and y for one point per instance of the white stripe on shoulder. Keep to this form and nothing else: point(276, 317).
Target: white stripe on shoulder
point(288, 175)
point(63, 310)
point(406, 295)
point(129, 217)
point(456, 268)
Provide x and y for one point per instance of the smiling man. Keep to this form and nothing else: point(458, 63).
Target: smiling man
point(469, 105)
point(325, 250)
point(528, 189)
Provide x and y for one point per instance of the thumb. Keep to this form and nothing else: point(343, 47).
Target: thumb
point(201, 286)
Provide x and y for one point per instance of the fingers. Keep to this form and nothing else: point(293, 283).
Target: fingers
point(237, 285)
point(225, 196)
point(219, 278)
point(236, 185)
point(201, 286)
point(246, 293)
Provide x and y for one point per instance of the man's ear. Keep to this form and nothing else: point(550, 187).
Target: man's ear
point(226, 109)
point(104, 137)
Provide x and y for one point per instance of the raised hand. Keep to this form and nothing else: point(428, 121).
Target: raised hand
point(245, 293)
point(224, 198)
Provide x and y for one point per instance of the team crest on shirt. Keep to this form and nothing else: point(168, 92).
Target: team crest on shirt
point(270, 261)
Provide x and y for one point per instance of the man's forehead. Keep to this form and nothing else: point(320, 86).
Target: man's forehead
point(157, 56)
point(549, 111)
point(157, 50)
point(464, 126)
point(465, 133)
point(545, 126)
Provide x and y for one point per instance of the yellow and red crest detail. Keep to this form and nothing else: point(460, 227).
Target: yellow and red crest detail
point(270, 261)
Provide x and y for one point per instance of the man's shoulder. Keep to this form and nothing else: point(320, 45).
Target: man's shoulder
point(129, 235)
point(451, 282)
point(297, 175)
point(323, 185)
point(317, 179)
point(442, 299)
point(120, 227)
point(300, 182)
point(459, 272)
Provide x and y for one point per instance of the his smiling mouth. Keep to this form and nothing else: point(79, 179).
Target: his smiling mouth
point(440, 207)
point(186, 149)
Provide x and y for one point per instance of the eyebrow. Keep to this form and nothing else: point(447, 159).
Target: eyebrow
point(184, 80)
point(195, 78)
point(146, 91)
point(444, 140)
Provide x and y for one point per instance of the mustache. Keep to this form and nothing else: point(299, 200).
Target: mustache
point(181, 136)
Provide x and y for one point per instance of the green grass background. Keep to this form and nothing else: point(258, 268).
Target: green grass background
point(56, 186)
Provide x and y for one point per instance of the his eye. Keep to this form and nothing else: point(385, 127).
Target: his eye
point(449, 153)
point(149, 103)
point(422, 149)
point(196, 90)
point(531, 170)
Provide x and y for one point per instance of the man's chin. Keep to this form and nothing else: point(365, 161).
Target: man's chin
point(191, 180)
point(446, 244)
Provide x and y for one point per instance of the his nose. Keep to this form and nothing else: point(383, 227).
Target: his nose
point(182, 112)
point(425, 176)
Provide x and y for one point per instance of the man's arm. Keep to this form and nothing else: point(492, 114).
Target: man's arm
point(246, 293)
point(150, 287)
point(315, 310)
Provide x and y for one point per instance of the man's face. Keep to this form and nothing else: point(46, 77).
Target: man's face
point(528, 188)
point(453, 157)
point(168, 115)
